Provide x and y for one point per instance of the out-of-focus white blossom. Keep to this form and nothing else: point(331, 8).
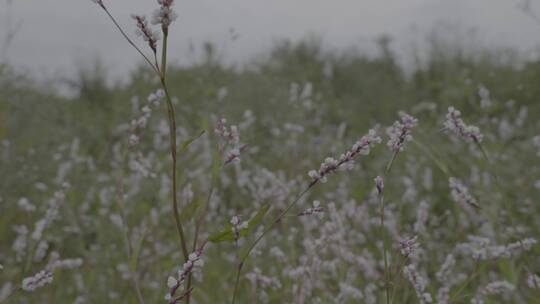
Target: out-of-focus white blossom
point(533, 281)
point(20, 243)
point(494, 288)
point(485, 99)
point(25, 204)
point(422, 214)
point(461, 194)
point(536, 143)
point(443, 274)
point(480, 248)
point(419, 283)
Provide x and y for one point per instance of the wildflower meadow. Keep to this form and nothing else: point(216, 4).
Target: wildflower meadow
point(308, 176)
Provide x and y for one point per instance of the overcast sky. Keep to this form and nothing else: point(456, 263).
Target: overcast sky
point(55, 34)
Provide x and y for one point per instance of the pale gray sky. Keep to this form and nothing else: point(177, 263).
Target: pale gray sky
point(55, 34)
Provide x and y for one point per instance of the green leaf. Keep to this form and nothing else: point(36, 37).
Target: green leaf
point(133, 262)
point(186, 143)
point(227, 233)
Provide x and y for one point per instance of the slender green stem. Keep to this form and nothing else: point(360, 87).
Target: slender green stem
point(438, 162)
point(383, 230)
point(400, 270)
point(238, 271)
point(275, 221)
point(475, 274)
point(390, 163)
point(172, 130)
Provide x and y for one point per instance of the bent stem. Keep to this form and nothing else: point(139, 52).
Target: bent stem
point(270, 227)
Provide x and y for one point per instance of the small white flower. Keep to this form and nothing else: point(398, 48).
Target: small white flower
point(379, 184)
point(171, 282)
point(235, 220)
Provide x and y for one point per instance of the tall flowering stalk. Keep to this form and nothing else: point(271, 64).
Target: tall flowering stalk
point(163, 16)
point(399, 134)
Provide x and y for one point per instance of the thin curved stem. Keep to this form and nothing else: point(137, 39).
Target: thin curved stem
point(172, 130)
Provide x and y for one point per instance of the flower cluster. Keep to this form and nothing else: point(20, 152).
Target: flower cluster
point(419, 283)
point(409, 246)
point(455, 124)
point(45, 276)
point(400, 132)
point(237, 226)
point(140, 123)
point(461, 194)
point(313, 210)
point(144, 31)
point(38, 280)
point(194, 262)
point(229, 137)
point(331, 165)
point(164, 15)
